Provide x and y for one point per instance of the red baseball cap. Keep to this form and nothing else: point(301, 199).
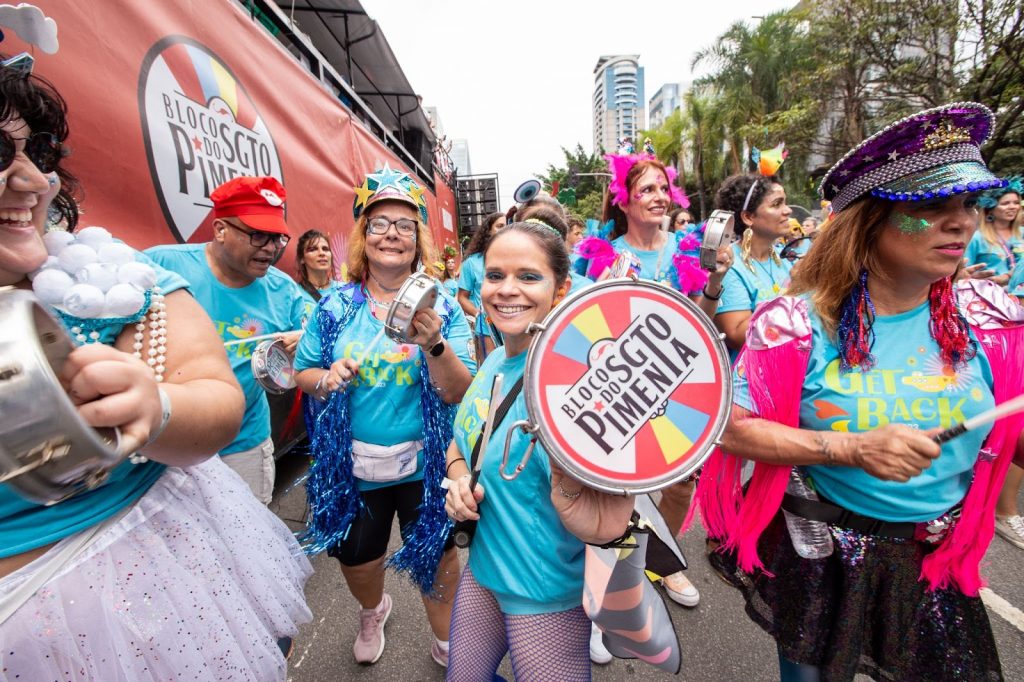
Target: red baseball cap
point(256, 201)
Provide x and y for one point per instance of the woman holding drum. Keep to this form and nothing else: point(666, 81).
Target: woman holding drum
point(521, 591)
point(640, 195)
point(379, 441)
point(106, 583)
point(872, 563)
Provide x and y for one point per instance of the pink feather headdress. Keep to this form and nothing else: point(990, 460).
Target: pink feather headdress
point(620, 164)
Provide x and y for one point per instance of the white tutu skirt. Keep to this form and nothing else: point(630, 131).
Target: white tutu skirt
point(196, 582)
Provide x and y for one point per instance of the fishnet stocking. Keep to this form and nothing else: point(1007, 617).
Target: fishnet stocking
point(541, 647)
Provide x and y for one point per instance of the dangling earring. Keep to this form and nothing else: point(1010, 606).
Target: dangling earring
point(744, 248)
point(990, 218)
point(948, 326)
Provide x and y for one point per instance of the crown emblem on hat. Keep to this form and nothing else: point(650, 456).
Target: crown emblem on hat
point(945, 134)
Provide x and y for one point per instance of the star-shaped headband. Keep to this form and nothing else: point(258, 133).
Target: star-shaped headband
point(388, 184)
point(934, 153)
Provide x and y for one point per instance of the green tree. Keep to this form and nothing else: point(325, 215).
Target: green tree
point(583, 172)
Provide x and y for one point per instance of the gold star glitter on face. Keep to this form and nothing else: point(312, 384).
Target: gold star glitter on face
point(363, 192)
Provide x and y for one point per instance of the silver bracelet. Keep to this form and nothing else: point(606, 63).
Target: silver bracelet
point(319, 384)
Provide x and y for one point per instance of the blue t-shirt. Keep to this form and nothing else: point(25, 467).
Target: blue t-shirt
point(907, 386)
point(25, 525)
point(654, 265)
point(1001, 258)
point(521, 552)
point(1016, 283)
point(385, 397)
point(272, 303)
point(579, 281)
point(471, 277)
point(451, 287)
point(743, 289)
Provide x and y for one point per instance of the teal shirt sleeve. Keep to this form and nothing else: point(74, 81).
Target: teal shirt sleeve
point(1016, 284)
point(735, 294)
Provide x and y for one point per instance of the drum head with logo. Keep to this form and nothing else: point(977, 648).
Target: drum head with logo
point(629, 385)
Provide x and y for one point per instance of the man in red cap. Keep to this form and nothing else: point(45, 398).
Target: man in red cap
point(233, 278)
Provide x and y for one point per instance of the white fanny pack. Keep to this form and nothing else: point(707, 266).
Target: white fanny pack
point(382, 463)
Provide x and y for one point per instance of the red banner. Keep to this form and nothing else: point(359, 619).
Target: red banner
point(169, 99)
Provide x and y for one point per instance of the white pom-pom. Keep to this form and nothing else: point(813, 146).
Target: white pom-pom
point(84, 300)
point(57, 240)
point(51, 284)
point(50, 262)
point(116, 253)
point(124, 300)
point(75, 257)
point(139, 274)
point(100, 275)
point(94, 236)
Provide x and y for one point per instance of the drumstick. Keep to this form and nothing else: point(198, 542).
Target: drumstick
point(492, 409)
point(370, 346)
point(1009, 407)
point(258, 338)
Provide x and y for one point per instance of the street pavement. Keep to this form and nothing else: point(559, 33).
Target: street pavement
point(719, 642)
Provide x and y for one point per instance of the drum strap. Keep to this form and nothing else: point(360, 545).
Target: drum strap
point(503, 408)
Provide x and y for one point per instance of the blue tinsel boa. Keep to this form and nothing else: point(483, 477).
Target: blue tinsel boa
point(331, 489)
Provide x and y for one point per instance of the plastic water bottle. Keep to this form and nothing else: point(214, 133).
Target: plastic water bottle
point(811, 539)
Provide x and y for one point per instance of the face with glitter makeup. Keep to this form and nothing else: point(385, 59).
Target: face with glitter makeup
point(25, 197)
point(649, 199)
point(519, 287)
point(907, 248)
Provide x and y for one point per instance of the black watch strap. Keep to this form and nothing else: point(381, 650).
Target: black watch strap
point(437, 349)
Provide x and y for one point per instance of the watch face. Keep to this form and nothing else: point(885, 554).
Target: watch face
point(437, 350)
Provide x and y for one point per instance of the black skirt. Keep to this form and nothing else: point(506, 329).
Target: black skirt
point(864, 610)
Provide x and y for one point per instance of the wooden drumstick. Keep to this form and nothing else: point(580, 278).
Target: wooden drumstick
point(492, 409)
point(1009, 407)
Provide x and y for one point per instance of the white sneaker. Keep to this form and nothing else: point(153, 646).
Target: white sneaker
point(680, 590)
point(598, 653)
point(1011, 529)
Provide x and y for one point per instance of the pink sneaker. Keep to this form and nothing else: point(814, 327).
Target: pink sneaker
point(439, 654)
point(370, 640)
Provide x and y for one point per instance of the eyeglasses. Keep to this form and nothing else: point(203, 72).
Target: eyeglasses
point(43, 149)
point(261, 239)
point(380, 225)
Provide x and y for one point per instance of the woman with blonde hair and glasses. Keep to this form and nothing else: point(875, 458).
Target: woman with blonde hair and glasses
point(380, 437)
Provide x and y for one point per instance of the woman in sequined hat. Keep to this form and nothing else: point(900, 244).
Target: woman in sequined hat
point(379, 442)
point(169, 568)
point(857, 541)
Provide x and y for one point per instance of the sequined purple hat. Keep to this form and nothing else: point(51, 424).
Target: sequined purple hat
point(934, 153)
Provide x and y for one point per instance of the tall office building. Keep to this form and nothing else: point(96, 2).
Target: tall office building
point(667, 99)
point(460, 156)
point(618, 101)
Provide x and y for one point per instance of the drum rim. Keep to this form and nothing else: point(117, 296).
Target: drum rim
point(392, 331)
point(543, 432)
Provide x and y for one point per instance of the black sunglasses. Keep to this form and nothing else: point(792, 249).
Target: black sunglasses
point(261, 239)
point(43, 149)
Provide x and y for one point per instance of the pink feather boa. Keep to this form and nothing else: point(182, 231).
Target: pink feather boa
point(599, 252)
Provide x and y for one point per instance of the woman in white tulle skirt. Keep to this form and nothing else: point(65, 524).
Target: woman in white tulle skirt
point(170, 570)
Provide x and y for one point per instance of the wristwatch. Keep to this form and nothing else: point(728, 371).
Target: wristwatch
point(437, 349)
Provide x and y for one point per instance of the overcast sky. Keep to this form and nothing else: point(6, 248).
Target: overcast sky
point(516, 78)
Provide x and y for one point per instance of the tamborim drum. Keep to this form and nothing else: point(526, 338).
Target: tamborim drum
point(417, 292)
point(272, 367)
point(627, 386)
point(718, 232)
point(47, 453)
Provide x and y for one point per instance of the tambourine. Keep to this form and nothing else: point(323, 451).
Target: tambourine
point(627, 386)
point(417, 292)
point(272, 367)
point(527, 191)
point(718, 232)
point(47, 453)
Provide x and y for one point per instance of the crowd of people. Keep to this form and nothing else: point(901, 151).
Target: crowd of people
point(852, 529)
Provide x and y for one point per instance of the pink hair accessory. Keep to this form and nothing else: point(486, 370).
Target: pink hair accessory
point(621, 164)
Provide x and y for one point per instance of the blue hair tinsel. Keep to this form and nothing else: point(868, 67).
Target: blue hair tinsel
point(854, 332)
point(332, 491)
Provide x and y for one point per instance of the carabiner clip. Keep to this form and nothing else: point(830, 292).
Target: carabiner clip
point(530, 430)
